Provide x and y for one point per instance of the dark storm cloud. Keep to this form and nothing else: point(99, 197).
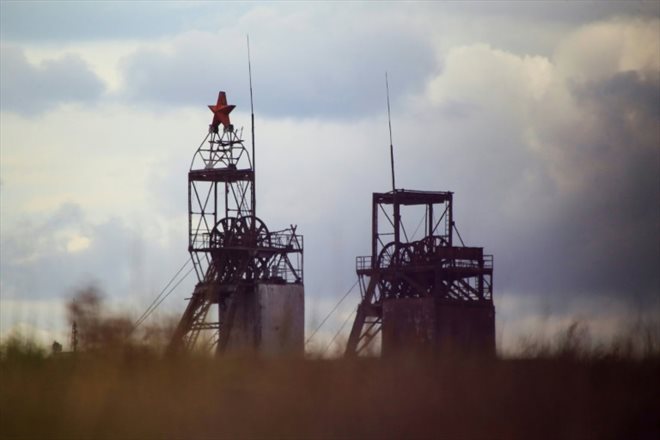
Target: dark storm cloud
point(603, 237)
point(561, 183)
point(549, 11)
point(32, 89)
point(630, 93)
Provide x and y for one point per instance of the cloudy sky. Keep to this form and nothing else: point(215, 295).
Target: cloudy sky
point(542, 117)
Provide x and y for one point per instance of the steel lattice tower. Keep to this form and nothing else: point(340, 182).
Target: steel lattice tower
point(428, 293)
point(232, 250)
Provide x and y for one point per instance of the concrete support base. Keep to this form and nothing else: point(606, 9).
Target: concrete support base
point(269, 321)
point(426, 325)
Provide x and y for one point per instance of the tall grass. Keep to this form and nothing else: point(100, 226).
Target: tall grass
point(120, 386)
point(130, 391)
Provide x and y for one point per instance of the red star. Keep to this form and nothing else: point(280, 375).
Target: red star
point(221, 111)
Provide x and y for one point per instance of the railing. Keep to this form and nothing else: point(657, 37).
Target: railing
point(363, 263)
point(200, 241)
point(280, 270)
point(284, 240)
point(283, 252)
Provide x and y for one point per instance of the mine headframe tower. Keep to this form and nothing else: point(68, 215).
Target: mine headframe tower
point(232, 250)
point(428, 294)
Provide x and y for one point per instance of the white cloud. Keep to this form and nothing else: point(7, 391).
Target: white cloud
point(491, 77)
point(77, 243)
point(102, 159)
point(542, 141)
point(599, 50)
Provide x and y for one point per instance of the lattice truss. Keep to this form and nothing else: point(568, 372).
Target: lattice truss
point(401, 266)
point(230, 247)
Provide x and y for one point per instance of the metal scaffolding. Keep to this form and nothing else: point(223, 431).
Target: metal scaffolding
point(231, 248)
point(400, 267)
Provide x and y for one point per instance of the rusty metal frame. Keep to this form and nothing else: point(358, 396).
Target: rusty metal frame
point(433, 266)
point(232, 250)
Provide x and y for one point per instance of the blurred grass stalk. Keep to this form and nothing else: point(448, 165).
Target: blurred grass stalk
point(119, 385)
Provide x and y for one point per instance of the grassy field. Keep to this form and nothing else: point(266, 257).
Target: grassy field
point(132, 394)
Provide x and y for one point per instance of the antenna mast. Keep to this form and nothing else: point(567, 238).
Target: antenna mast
point(389, 123)
point(254, 157)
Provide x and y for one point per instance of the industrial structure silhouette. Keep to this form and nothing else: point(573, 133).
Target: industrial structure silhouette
point(425, 295)
point(251, 276)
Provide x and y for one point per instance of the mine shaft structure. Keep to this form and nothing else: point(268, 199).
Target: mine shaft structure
point(233, 252)
point(430, 294)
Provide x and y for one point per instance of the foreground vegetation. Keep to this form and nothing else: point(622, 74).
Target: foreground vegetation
point(119, 386)
point(130, 393)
